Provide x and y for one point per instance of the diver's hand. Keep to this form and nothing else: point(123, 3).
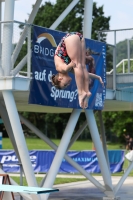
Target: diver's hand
point(73, 64)
point(70, 66)
point(101, 81)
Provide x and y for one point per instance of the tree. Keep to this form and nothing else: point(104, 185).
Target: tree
point(119, 123)
point(99, 23)
point(49, 12)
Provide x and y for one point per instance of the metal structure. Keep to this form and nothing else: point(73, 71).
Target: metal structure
point(13, 89)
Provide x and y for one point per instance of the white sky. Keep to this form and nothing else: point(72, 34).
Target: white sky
point(121, 12)
point(121, 17)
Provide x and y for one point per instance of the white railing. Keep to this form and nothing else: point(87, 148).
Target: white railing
point(119, 65)
point(18, 40)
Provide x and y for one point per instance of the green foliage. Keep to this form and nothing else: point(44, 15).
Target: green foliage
point(37, 119)
point(99, 22)
point(116, 122)
point(49, 12)
point(120, 68)
point(121, 50)
point(109, 58)
point(121, 53)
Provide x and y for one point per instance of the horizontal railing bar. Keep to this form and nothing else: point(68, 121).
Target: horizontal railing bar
point(14, 21)
point(115, 30)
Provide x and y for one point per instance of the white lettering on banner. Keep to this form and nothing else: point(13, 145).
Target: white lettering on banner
point(49, 76)
point(40, 75)
point(38, 158)
point(33, 158)
point(80, 159)
point(8, 158)
point(64, 94)
point(98, 101)
point(13, 158)
point(44, 51)
point(55, 93)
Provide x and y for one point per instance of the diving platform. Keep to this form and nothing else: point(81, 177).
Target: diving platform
point(120, 99)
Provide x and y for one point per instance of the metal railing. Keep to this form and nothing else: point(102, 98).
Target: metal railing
point(123, 64)
point(115, 66)
point(19, 38)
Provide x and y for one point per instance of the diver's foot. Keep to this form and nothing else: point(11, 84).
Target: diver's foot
point(82, 97)
point(87, 99)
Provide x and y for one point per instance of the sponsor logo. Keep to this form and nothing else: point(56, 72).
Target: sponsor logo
point(39, 49)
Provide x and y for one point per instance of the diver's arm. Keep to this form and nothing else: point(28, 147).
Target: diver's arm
point(61, 66)
point(96, 77)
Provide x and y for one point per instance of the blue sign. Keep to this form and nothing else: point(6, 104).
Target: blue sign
point(41, 161)
point(42, 92)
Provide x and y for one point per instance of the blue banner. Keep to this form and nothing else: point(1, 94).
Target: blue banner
point(41, 161)
point(42, 92)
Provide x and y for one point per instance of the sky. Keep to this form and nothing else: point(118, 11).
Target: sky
point(120, 11)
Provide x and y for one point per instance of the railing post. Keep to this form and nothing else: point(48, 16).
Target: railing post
point(123, 68)
point(128, 54)
point(29, 52)
point(21, 177)
point(99, 35)
point(7, 37)
point(114, 63)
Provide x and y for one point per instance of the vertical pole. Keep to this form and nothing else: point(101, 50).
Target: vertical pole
point(128, 54)
point(7, 37)
point(0, 26)
point(5, 118)
point(21, 173)
point(89, 113)
point(29, 52)
point(114, 62)
point(1, 70)
point(61, 149)
point(123, 67)
point(0, 140)
point(20, 140)
point(21, 177)
point(9, 99)
point(24, 33)
point(99, 35)
point(103, 137)
point(88, 9)
point(99, 150)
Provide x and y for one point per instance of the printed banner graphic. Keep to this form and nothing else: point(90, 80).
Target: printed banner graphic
point(42, 92)
point(41, 161)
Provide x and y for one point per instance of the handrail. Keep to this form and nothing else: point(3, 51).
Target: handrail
point(122, 61)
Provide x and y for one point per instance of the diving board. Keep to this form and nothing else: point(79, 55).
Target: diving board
point(4, 179)
point(26, 189)
point(7, 190)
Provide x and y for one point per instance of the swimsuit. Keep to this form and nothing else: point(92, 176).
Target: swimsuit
point(61, 49)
